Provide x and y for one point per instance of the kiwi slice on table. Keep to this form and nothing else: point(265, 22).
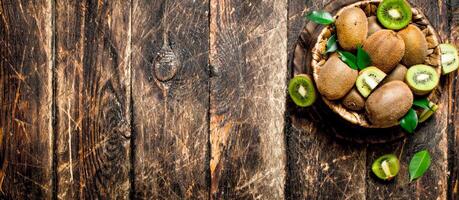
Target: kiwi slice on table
point(427, 113)
point(422, 79)
point(449, 58)
point(302, 90)
point(394, 14)
point(386, 167)
point(369, 78)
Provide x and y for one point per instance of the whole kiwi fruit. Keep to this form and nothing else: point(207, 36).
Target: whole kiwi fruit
point(354, 101)
point(335, 79)
point(351, 28)
point(389, 103)
point(397, 74)
point(415, 45)
point(386, 49)
point(373, 25)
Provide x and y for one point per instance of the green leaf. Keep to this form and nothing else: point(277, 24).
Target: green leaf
point(410, 121)
point(363, 59)
point(349, 59)
point(332, 45)
point(422, 103)
point(419, 164)
point(320, 17)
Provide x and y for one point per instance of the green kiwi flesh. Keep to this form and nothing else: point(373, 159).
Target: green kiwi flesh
point(368, 79)
point(422, 79)
point(394, 14)
point(449, 58)
point(302, 90)
point(427, 113)
point(386, 167)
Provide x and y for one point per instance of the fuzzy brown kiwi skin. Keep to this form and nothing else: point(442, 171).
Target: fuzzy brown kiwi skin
point(352, 28)
point(335, 79)
point(415, 45)
point(389, 103)
point(385, 48)
point(354, 101)
point(373, 25)
point(397, 74)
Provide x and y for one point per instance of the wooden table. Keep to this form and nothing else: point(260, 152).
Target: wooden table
point(186, 99)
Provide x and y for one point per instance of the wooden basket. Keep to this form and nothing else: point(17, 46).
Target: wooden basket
point(370, 7)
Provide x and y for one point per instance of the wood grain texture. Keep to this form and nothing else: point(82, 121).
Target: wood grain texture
point(25, 97)
point(248, 44)
point(315, 130)
point(93, 99)
point(170, 42)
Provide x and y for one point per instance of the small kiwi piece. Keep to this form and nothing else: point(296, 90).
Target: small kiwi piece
point(386, 167)
point(369, 78)
point(302, 91)
point(397, 74)
point(422, 79)
point(427, 113)
point(373, 25)
point(449, 58)
point(354, 101)
point(394, 14)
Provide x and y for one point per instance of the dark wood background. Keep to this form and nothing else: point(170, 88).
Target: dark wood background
point(186, 99)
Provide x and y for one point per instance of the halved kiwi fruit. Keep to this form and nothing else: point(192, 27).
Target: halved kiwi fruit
point(427, 113)
point(386, 167)
point(449, 58)
point(369, 78)
point(302, 90)
point(394, 14)
point(422, 79)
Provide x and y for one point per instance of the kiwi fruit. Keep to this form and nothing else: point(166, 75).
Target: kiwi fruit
point(422, 79)
point(397, 74)
point(368, 79)
point(387, 104)
point(394, 14)
point(351, 28)
point(335, 79)
point(302, 90)
point(427, 113)
point(449, 58)
point(386, 167)
point(373, 25)
point(386, 49)
point(415, 45)
point(354, 101)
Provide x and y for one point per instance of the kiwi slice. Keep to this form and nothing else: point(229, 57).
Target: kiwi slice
point(422, 79)
point(394, 14)
point(449, 58)
point(386, 167)
point(427, 113)
point(302, 90)
point(369, 78)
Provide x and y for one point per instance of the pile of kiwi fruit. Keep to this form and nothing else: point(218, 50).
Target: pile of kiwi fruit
point(401, 67)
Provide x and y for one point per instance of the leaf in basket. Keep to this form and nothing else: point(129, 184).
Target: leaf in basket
point(332, 45)
point(320, 17)
point(419, 164)
point(363, 59)
point(422, 103)
point(349, 59)
point(410, 121)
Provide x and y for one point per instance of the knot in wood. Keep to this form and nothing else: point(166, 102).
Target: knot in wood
point(165, 64)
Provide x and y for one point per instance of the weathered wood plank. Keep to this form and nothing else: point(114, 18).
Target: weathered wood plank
point(453, 123)
point(93, 99)
point(248, 43)
point(26, 99)
point(170, 42)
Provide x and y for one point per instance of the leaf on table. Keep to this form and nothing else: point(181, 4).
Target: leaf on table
point(410, 121)
point(320, 17)
point(419, 164)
